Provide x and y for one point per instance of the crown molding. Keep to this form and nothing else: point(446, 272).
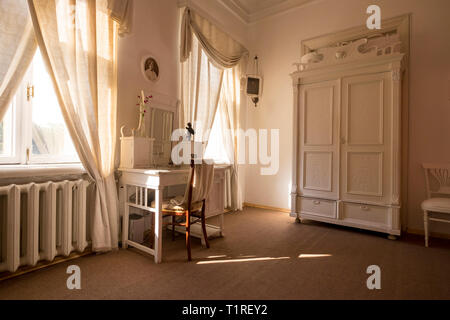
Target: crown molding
point(238, 9)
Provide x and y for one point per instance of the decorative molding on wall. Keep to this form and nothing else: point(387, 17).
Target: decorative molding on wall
point(399, 25)
point(383, 44)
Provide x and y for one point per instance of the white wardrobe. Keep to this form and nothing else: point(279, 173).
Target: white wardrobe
point(347, 122)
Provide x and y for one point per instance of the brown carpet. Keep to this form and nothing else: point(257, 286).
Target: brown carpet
point(408, 269)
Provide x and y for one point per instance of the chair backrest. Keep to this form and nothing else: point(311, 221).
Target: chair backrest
point(200, 180)
point(437, 178)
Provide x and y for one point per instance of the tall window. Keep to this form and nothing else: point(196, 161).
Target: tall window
point(215, 148)
point(33, 129)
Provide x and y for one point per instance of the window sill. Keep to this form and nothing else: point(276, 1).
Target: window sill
point(38, 172)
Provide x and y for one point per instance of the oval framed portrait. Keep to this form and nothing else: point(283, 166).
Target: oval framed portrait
point(150, 68)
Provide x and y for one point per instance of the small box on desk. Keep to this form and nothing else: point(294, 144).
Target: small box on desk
point(136, 152)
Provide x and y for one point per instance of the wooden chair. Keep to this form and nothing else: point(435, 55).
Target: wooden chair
point(437, 177)
point(192, 205)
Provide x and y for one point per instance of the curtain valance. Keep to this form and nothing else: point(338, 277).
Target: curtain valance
point(223, 50)
point(120, 11)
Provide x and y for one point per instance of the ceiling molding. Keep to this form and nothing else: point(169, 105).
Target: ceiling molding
point(236, 10)
point(253, 15)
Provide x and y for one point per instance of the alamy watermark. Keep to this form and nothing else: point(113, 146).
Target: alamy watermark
point(374, 280)
point(74, 280)
point(254, 147)
point(374, 20)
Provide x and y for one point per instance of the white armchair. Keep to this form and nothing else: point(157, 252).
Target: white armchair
point(437, 177)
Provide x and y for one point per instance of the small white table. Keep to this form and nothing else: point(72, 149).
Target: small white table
point(142, 180)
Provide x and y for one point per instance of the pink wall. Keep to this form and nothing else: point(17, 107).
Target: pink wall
point(154, 31)
point(277, 42)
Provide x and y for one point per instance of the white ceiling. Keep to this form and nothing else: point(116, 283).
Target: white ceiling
point(255, 10)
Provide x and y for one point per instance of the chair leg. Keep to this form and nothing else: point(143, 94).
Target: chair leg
point(425, 227)
point(173, 228)
point(205, 236)
point(188, 234)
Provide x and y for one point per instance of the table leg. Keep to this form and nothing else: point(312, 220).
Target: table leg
point(221, 224)
point(125, 221)
point(158, 225)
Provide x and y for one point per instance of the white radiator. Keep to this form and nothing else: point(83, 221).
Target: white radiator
point(41, 221)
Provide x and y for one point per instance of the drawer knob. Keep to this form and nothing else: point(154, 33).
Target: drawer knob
point(316, 202)
point(365, 208)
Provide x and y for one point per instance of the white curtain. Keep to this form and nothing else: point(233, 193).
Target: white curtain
point(230, 110)
point(212, 65)
point(201, 83)
point(78, 39)
point(17, 48)
point(222, 49)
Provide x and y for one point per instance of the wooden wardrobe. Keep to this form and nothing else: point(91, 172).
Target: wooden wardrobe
point(347, 132)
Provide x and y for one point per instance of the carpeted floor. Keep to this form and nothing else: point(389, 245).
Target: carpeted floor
point(257, 259)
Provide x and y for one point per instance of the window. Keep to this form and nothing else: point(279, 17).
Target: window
point(215, 148)
point(221, 144)
point(6, 141)
point(33, 129)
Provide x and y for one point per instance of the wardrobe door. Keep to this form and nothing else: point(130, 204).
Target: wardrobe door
point(318, 143)
point(366, 138)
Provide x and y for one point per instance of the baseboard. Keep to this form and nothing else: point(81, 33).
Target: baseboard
point(42, 264)
point(432, 234)
point(259, 206)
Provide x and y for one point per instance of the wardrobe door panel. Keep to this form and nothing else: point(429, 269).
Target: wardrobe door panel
point(366, 138)
point(365, 112)
point(318, 143)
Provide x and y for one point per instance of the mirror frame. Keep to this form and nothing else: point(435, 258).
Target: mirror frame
point(165, 103)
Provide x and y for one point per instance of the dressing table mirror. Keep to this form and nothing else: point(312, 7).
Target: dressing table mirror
point(161, 127)
point(162, 120)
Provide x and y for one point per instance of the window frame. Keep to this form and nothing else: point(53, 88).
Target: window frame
point(15, 113)
point(22, 140)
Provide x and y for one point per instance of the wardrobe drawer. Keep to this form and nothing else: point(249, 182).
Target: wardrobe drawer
point(318, 207)
point(365, 214)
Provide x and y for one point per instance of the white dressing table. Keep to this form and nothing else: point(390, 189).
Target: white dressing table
point(143, 182)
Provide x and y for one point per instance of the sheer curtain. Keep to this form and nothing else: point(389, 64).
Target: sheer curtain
point(201, 83)
point(78, 39)
point(229, 110)
point(212, 65)
point(17, 47)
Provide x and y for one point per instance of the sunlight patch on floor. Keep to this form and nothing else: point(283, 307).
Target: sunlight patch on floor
point(243, 260)
point(306, 255)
